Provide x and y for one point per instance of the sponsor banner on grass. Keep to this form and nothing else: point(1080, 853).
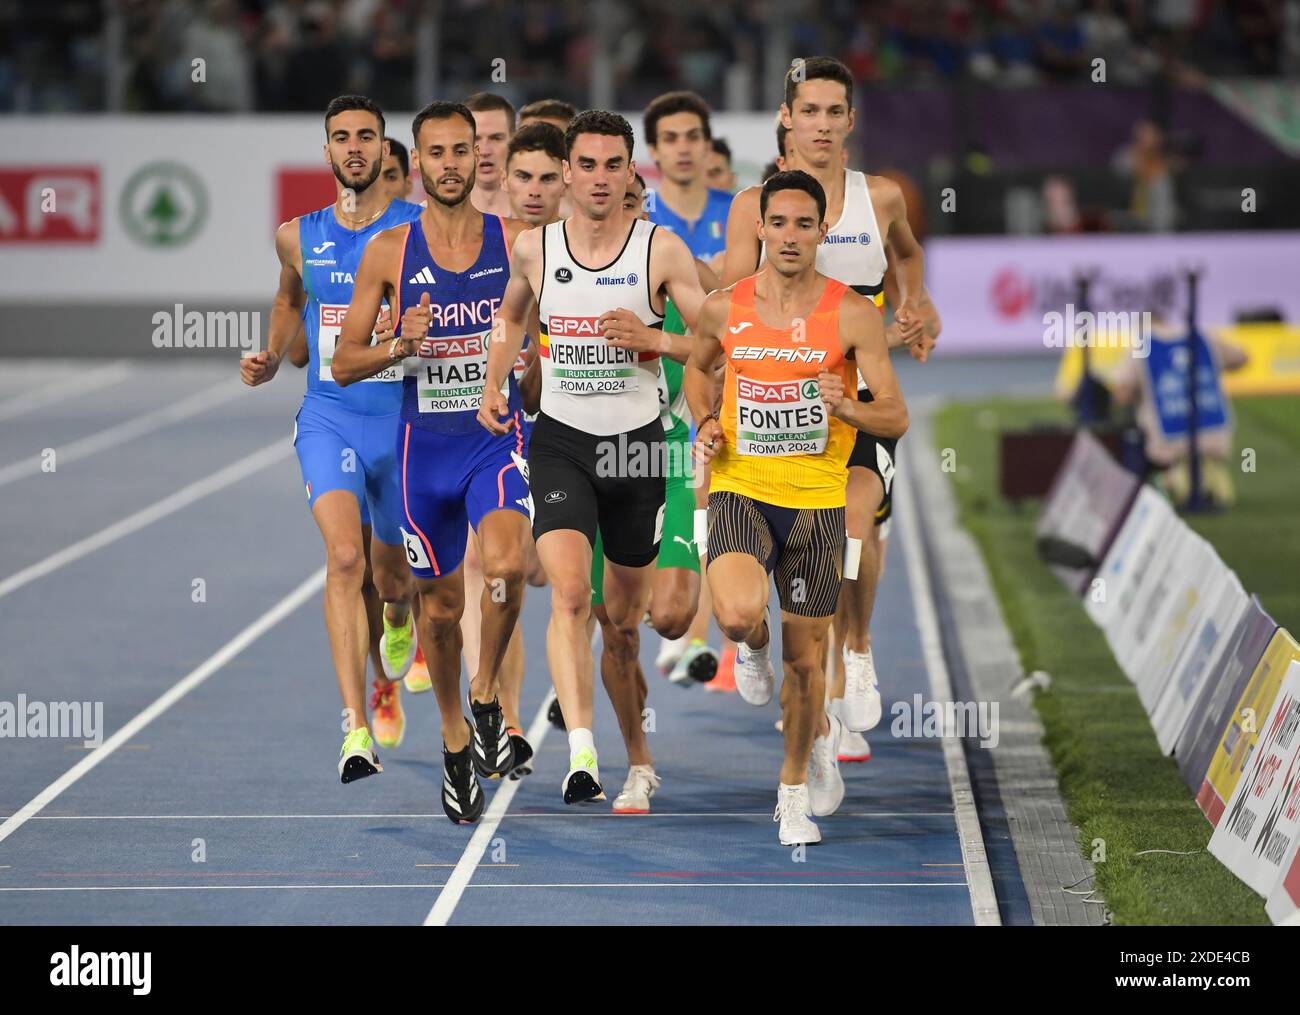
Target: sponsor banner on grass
point(1220, 692)
point(1246, 722)
point(996, 292)
point(1283, 906)
point(1128, 560)
point(1256, 835)
point(1083, 510)
point(1201, 656)
point(1193, 580)
point(1133, 633)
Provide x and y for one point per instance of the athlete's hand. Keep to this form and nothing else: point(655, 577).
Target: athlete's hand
point(624, 330)
point(258, 369)
point(832, 391)
point(416, 321)
point(492, 407)
point(384, 330)
point(911, 328)
point(708, 442)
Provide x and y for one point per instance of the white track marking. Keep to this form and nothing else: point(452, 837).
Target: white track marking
point(183, 497)
point(765, 815)
point(128, 430)
point(308, 588)
point(983, 898)
point(613, 884)
point(60, 390)
point(445, 904)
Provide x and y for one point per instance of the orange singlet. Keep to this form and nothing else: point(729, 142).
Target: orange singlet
point(782, 447)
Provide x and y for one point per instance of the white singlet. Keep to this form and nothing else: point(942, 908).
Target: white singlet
point(587, 383)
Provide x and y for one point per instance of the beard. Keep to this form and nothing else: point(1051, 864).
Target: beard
point(360, 186)
point(431, 188)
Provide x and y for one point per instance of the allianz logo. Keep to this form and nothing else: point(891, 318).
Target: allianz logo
point(629, 279)
point(862, 238)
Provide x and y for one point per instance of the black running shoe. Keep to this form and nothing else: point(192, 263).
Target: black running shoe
point(493, 753)
point(556, 716)
point(461, 797)
point(523, 754)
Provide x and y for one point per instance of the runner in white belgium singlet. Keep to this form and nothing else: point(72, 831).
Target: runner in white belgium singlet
point(587, 383)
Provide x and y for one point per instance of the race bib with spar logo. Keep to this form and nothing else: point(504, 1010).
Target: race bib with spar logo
point(775, 418)
point(582, 362)
point(331, 326)
point(449, 372)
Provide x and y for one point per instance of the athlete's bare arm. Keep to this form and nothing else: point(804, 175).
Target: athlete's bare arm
point(709, 279)
point(508, 329)
point(355, 358)
point(297, 353)
point(743, 244)
point(862, 335)
point(931, 323)
point(286, 311)
point(906, 256)
point(698, 383)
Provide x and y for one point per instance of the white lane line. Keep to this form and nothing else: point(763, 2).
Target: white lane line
point(765, 815)
point(445, 904)
point(128, 430)
point(183, 497)
point(983, 898)
point(308, 588)
point(614, 884)
point(64, 388)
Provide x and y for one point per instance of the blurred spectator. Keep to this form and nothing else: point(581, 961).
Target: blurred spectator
point(1145, 160)
point(1060, 209)
point(215, 38)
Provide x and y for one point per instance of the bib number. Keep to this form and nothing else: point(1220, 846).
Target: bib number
point(331, 326)
point(449, 373)
point(416, 555)
point(581, 362)
point(780, 418)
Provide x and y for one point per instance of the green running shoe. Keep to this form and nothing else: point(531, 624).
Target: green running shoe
point(397, 647)
point(358, 759)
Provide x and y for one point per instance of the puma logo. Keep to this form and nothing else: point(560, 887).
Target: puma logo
point(685, 542)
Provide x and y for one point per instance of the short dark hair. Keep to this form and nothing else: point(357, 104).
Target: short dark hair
point(549, 109)
point(482, 102)
point(598, 121)
point(399, 153)
point(792, 179)
point(781, 132)
point(439, 110)
point(670, 103)
point(641, 180)
point(346, 103)
point(824, 67)
point(721, 147)
point(537, 137)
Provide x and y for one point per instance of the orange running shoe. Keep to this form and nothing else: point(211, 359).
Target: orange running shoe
point(725, 679)
point(387, 720)
point(417, 677)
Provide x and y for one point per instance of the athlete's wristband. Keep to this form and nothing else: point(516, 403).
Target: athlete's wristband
point(393, 346)
point(707, 416)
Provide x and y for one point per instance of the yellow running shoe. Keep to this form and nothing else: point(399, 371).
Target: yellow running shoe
point(357, 758)
point(387, 719)
point(417, 677)
point(397, 647)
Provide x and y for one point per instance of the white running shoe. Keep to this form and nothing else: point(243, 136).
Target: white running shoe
point(825, 784)
point(792, 809)
point(755, 677)
point(853, 748)
point(699, 663)
point(861, 702)
point(639, 787)
point(670, 650)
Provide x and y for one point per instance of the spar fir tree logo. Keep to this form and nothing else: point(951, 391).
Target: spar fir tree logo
point(164, 204)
